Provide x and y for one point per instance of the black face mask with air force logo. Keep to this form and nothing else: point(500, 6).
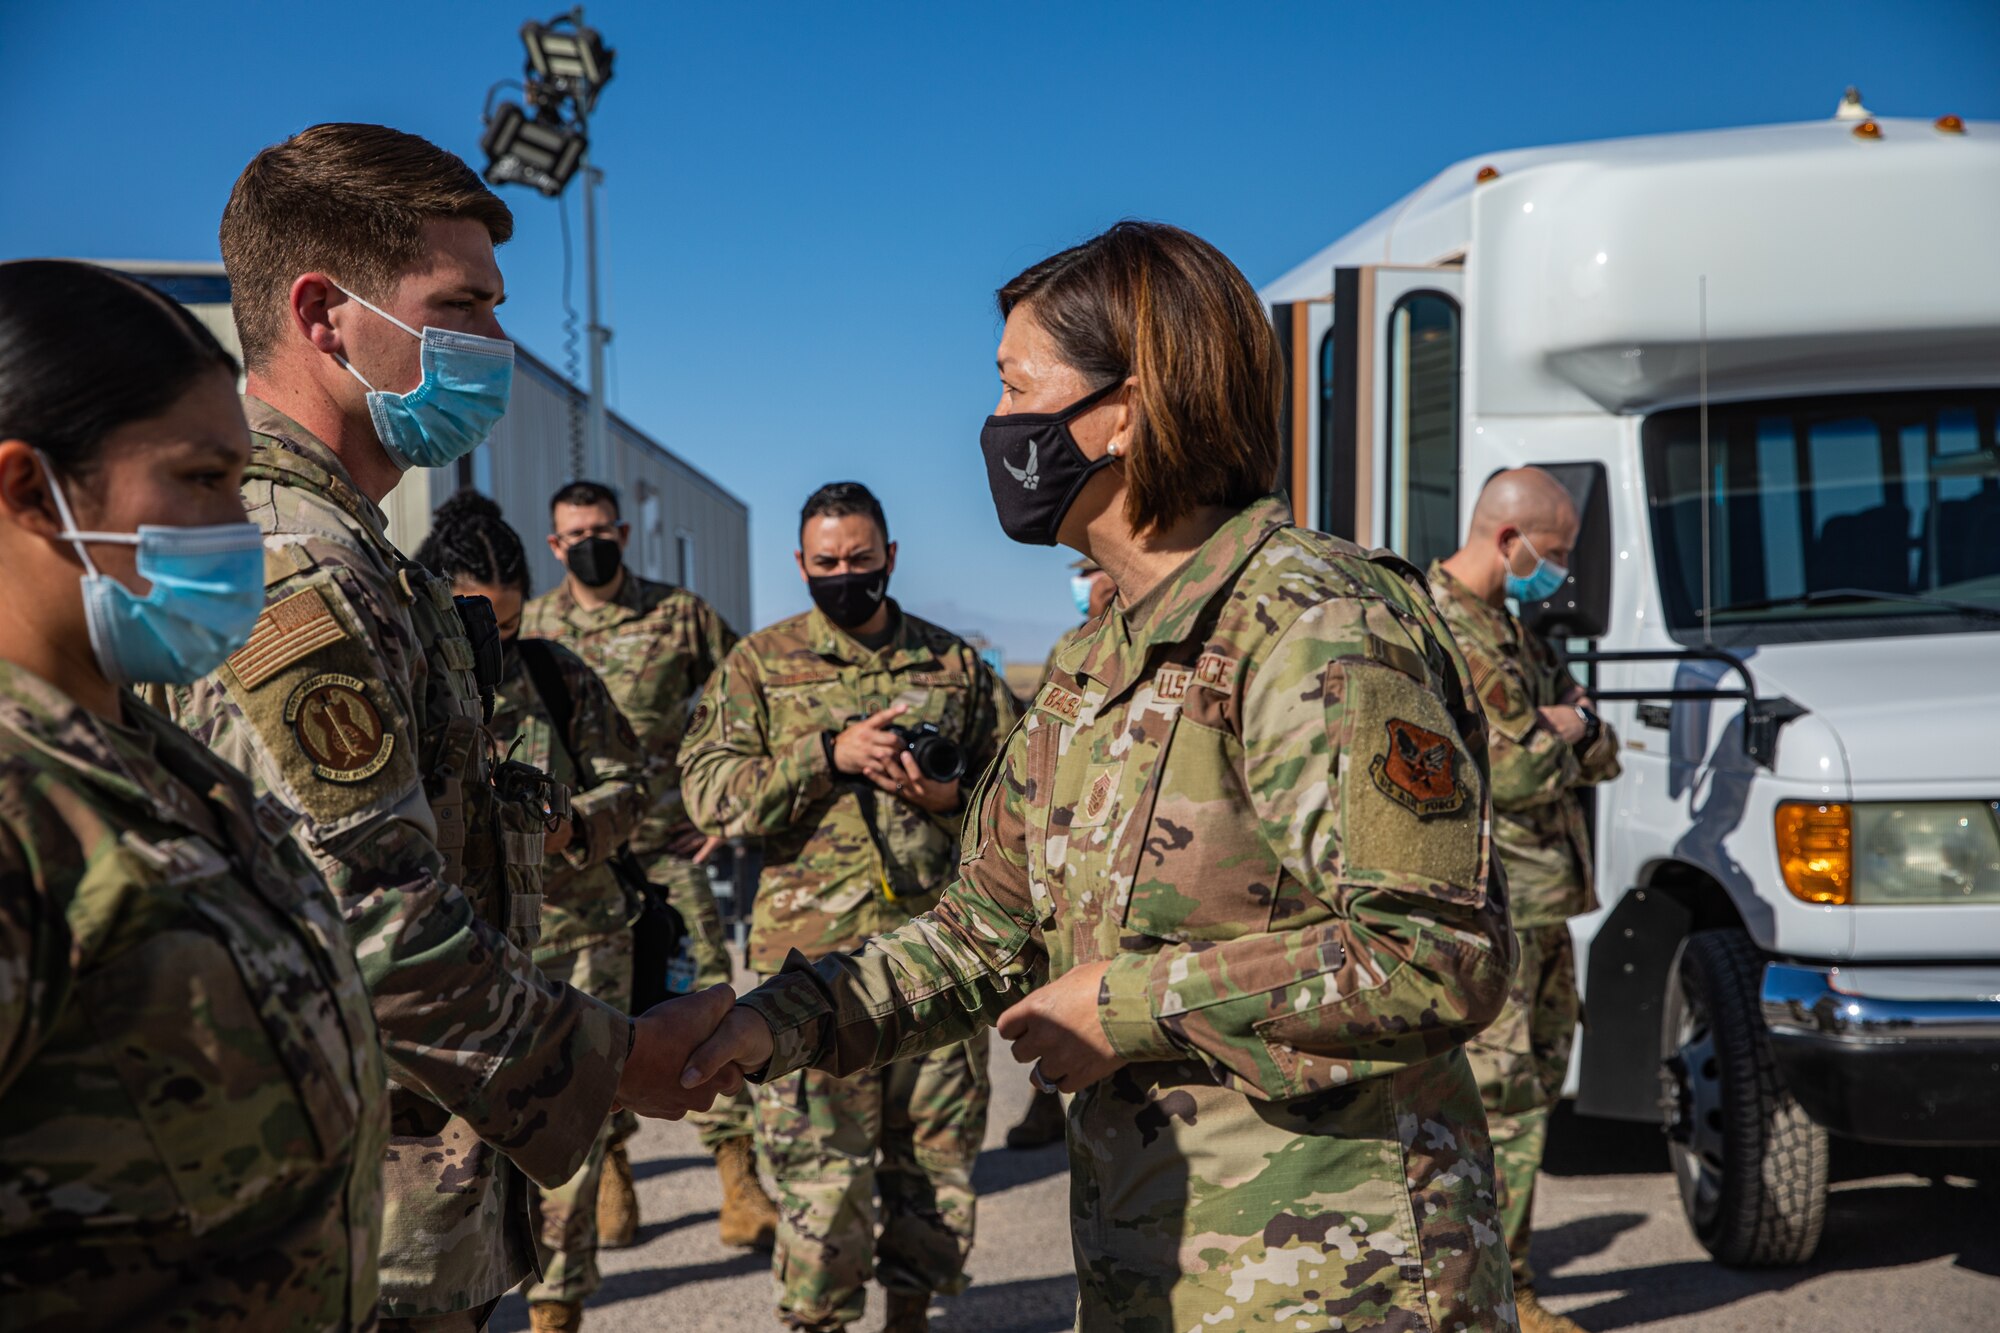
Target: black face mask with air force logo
point(1036, 469)
point(848, 599)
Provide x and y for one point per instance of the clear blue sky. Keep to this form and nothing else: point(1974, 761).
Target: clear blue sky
point(808, 206)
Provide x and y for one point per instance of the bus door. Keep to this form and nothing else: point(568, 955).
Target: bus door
point(1391, 410)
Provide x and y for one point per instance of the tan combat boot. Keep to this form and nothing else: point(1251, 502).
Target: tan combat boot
point(749, 1218)
point(909, 1312)
point(617, 1202)
point(555, 1316)
point(1535, 1319)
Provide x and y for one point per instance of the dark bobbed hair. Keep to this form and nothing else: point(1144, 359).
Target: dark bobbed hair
point(470, 539)
point(84, 351)
point(1163, 307)
point(586, 493)
point(837, 499)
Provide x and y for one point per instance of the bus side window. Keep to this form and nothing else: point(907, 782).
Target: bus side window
point(1421, 478)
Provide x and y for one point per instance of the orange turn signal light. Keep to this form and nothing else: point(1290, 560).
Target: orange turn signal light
point(1816, 851)
point(1949, 124)
point(1487, 173)
point(1868, 129)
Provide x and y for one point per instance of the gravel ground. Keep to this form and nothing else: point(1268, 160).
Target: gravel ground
point(1900, 1251)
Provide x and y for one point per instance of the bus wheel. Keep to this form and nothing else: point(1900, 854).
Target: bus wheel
point(1752, 1168)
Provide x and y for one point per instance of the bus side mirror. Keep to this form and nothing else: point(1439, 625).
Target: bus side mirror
point(1581, 608)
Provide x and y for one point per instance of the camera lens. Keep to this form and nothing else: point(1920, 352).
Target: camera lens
point(938, 757)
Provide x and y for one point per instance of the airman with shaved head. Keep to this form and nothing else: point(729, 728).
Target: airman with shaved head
point(1547, 744)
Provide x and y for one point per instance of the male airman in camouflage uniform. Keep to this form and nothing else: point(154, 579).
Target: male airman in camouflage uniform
point(852, 850)
point(587, 916)
point(655, 645)
point(1546, 746)
point(355, 703)
point(1255, 799)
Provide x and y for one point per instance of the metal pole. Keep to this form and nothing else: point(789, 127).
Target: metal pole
point(597, 457)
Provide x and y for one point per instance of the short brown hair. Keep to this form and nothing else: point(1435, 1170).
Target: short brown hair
point(349, 200)
point(1162, 306)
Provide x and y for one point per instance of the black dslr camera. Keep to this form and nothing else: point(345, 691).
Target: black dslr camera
point(939, 757)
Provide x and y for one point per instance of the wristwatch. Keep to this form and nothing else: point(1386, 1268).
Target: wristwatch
point(1592, 726)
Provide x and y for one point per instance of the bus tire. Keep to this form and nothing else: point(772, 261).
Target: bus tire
point(1750, 1165)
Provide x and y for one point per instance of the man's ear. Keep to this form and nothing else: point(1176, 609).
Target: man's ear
point(799, 558)
point(889, 565)
point(312, 299)
point(624, 534)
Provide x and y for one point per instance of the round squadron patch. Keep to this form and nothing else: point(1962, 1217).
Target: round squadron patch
point(1417, 770)
point(338, 728)
point(700, 718)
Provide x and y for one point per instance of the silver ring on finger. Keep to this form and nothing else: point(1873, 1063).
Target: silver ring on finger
point(1041, 1082)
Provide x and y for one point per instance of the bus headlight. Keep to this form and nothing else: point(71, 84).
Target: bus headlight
point(1880, 853)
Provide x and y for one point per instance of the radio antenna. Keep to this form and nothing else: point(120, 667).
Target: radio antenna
point(1707, 563)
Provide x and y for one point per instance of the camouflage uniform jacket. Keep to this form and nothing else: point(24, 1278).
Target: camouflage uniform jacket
point(354, 703)
point(192, 1104)
point(655, 646)
point(1260, 795)
point(756, 766)
point(1537, 815)
point(582, 901)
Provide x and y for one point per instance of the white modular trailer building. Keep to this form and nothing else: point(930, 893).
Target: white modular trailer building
point(686, 528)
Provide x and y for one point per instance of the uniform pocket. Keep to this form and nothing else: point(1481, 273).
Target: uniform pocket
point(234, 1095)
point(1200, 872)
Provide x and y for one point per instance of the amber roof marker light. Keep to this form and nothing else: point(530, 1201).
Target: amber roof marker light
point(1949, 124)
point(1487, 173)
point(1870, 130)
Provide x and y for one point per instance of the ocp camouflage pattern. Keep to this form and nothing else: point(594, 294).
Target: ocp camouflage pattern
point(654, 646)
point(192, 1094)
point(438, 880)
point(1260, 793)
point(582, 900)
point(1537, 815)
point(754, 766)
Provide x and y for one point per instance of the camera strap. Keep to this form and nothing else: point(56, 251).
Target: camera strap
point(865, 796)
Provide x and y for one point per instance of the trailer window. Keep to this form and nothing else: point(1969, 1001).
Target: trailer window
point(1856, 516)
point(1421, 478)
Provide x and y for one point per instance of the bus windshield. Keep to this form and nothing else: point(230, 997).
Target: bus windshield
point(1839, 517)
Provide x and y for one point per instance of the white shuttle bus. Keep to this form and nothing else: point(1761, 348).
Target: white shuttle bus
point(1766, 361)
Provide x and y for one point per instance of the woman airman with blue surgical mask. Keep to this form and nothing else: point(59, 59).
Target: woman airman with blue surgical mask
point(192, 1095)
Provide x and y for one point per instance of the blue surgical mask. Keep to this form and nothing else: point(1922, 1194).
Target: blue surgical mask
point(1079, 592)
point(208, 590)
point(1541, 581)
point(467, 382)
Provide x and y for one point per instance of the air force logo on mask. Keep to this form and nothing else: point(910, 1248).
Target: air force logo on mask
point(1029, 476)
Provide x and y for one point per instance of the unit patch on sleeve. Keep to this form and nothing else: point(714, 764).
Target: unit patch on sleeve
point(1418, 770)
point(287, 631)
point(338, 728)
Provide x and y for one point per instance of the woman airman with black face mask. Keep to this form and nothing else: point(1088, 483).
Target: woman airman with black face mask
point(1230, 883)
point(192, 1097)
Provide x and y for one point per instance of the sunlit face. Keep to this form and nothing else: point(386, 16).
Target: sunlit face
point(455, 285)
point(579, 523)
point(1035, 379)
point(843, 544)
point(507, 599)
point(183, 468)
point(1554, 544)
